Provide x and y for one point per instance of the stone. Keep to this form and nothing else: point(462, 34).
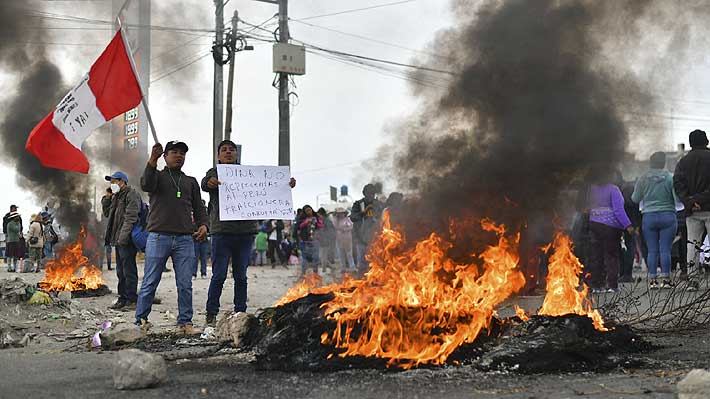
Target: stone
point(15, 290)
point(121, 334)
point(135, 369)
point(64, 296)
point(695, 385)
point(234, 327)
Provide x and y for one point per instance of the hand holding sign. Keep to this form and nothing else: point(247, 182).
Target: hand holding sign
point(254, 192)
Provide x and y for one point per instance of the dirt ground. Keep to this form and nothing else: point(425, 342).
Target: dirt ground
point(58, 360)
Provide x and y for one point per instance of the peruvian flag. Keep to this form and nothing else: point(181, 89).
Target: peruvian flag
point(109, 89)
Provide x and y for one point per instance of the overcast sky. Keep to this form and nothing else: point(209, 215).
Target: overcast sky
point(338, 119)
point(341, 111)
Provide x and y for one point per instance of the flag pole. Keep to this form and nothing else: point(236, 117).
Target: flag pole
point(140, 86)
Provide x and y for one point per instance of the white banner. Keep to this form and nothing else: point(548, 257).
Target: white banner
point(254, 192)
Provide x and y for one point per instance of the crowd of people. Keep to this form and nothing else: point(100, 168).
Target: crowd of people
point(28, 250)
point(620, 221)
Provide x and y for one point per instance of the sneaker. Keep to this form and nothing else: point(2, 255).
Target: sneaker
point(118, 305)
point(666, 285)
point(653, 284)
point(145, 325)
point(211, 320)
point(188, 329)
point(613, 290)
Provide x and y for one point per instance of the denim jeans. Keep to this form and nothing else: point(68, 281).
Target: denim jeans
point(107, 251)
point(181, 248)
point(48, 250)
point(127, 272)
point(311, 252)
point(659, 228)
point(201, 249)
point(224, 247)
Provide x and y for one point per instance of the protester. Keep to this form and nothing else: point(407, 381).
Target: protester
point(6, 218)
point(122, 210)
point(230, 240)
point(344, 239)
point(607, 219)
point(35, 239)
point(201, 250)
point(691, 182)
point(12, 241)
point(108, 249)
point(51, 238)
point(326, 240)
point(365, 216)
point(655, 190)
point(174, 199)
point(262, 244)
point(274, 229)
point(628, 251)
point(308, 228)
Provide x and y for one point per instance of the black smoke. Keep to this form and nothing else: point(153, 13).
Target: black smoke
point(38, 88)
point(532, 102)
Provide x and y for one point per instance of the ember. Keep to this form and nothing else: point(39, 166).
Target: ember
point(71, 270)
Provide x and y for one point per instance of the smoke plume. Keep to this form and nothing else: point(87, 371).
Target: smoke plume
point(533, 101)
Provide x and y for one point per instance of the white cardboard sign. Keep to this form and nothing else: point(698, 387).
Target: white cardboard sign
point(254, 192)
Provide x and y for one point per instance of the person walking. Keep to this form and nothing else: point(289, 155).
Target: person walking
point(13, 250)
point(35, 240)
point(308, 228)
point(344, 239)
point(691, 182)
point(122, 210)
point(51, 238)
point(655, 190)
point(230, 240)
point(607, 219)
point(365, 215)
point(174, 200)
point(262, 244)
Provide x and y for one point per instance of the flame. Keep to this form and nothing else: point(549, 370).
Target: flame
point(520, 312)
point(61, 273)
point(308, 284)
point(565, 294)
point(416, 306)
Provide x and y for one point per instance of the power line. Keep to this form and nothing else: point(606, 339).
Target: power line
point(357, 9)
point(180, 68)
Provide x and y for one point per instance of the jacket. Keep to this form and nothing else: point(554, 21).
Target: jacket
point(607, 206)
point(308, 228)
point(6, 220)
point(12, 234)
point(262, 241)
point(691, 179)
point(233, 227)
point(655, 189)
point(366, 219)
point(343, 230)
point(35, 230)
point(122, 211)
point(174, 201)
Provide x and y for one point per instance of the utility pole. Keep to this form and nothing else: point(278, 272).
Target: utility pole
point(284, 106)
point(218, 102)
point(230, 82)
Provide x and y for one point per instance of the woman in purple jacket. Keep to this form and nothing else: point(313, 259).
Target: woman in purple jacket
point(607, 220)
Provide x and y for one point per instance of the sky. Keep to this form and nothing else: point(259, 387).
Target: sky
point(342, 111)
point(338, 119)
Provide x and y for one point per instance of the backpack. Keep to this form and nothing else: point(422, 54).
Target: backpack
point(139, 232)
point(53, 237)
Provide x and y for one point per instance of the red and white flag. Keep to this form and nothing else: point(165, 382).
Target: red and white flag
point(109, 89)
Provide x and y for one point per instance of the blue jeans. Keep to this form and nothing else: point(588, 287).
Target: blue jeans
point(48, 250)
point(224, 247)
point(311, 256)
point(201, 249)
point(181, 248)
point(659, 229)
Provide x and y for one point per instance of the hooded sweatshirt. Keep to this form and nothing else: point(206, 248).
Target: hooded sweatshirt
point(655, 189)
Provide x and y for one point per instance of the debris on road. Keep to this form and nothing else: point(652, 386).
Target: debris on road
point(15, 290)
point(695, 385)
point(137, 370)
point(121, 334)
point(235, 326)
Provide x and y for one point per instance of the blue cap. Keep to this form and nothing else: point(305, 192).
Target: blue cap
point(117, 175)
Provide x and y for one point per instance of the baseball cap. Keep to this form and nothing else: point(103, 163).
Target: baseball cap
point(175, 144)
point(117, 175)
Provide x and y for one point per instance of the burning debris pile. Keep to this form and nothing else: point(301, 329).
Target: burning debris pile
point(418, 307)
point(72, 271)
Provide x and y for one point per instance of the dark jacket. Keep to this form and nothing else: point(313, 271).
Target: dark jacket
point(691, 180)
point(5, 220)
point(171, 213)
point(230, 227)
point(366, 219)
point(279, 229)
point(122, 211)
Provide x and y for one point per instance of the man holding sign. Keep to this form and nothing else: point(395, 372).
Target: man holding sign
point(239, 196)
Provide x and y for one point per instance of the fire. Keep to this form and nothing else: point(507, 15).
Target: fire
point(564, 295)
point(310, 283)
point(520, 312)
point(61, 274)
point(416, 306)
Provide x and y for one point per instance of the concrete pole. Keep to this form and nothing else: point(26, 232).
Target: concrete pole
point(218, 101)
point(230, 82)
point(284, 106)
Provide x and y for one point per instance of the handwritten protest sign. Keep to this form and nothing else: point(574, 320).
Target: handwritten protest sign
point(254, 192)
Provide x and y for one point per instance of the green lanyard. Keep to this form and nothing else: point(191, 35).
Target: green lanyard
point(177, 185)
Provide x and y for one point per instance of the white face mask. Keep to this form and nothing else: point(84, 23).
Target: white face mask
point(115, 188)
